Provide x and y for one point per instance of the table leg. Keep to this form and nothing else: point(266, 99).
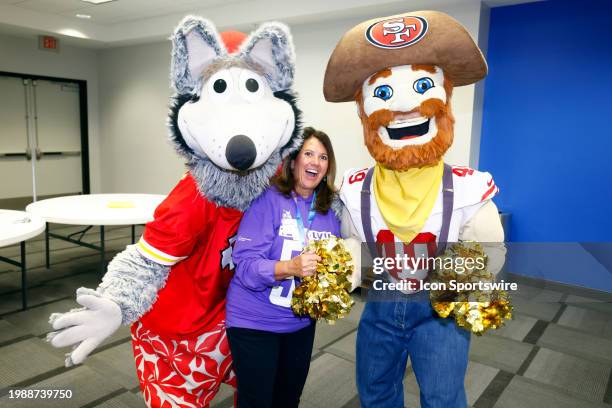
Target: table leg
point(24, 280)
point(102, 250)
point(47, 245)
point(133, 233)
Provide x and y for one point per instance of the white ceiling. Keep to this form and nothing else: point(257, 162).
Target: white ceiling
point(123, 22)
point(118, 11)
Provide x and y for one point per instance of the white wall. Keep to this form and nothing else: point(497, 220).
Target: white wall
point(21, 55)
point(134, 99)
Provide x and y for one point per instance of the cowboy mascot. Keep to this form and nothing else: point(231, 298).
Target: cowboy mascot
point(401, 71)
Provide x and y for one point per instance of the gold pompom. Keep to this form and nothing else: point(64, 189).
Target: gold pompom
point(475, 310)
point(325, 295)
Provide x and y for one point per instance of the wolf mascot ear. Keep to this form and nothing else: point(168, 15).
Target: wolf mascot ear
point(270, 48)
point(197, 44)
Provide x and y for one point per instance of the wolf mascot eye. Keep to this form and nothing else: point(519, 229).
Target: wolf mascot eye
point(233, 118)
point(220, 85)
point(252, 85)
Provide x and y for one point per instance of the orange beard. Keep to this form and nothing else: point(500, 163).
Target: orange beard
point(410, 156)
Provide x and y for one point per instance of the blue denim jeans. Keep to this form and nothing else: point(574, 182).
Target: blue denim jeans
point(390, 332)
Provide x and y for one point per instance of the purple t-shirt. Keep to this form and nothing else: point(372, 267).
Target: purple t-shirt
point(268, 233)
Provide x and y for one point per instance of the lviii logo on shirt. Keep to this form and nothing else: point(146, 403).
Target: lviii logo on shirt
point(289, 229)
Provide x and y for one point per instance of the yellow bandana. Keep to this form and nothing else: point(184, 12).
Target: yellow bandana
point(405, 198)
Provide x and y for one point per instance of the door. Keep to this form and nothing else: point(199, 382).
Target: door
point(15, 168)
point(42, 141)
point(57, 134)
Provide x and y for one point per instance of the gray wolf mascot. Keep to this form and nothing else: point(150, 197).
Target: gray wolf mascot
point(233, 119)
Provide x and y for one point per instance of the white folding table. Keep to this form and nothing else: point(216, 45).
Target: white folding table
point(17, 227)
point(94, 210)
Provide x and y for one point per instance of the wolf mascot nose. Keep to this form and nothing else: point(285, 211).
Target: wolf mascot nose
point(240, 152)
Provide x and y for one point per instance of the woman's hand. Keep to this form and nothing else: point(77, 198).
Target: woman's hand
point(301, 266)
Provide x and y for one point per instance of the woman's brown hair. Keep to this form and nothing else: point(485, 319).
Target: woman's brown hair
point(285, 181)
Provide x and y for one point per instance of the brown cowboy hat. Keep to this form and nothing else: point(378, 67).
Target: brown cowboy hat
point(418, 37)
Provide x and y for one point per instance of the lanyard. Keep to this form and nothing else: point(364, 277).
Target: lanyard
point(298, 216)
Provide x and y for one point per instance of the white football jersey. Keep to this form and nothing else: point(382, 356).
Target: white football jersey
point(472, 189)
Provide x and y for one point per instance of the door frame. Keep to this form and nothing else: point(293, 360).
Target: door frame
point(84, 119)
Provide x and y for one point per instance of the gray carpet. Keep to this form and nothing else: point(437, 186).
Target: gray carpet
point(557, 352)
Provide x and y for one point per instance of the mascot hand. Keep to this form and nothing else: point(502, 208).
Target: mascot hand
point(84, 328)
point(354, 247)
point(485, 227)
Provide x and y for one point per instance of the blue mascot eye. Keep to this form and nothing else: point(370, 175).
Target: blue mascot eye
point(384, 92)
point(423, 85)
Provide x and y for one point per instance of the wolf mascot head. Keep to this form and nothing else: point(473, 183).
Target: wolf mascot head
point(234, 116)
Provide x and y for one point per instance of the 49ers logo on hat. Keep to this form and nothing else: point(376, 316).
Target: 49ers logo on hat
point(398, 32)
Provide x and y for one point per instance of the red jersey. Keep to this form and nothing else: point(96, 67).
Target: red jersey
point(193, 236)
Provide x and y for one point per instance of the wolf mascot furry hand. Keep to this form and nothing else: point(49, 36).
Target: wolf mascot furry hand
point(234, 119)
point(400, 70)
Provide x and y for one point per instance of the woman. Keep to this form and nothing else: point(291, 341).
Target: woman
point(271, 346)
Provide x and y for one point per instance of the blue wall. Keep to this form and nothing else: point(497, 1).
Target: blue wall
point(547, 128)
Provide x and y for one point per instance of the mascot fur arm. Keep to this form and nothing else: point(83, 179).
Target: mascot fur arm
point(128, 290)
point(485, 227)
point(132, 282)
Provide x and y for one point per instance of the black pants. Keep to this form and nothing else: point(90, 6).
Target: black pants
point(271, 368)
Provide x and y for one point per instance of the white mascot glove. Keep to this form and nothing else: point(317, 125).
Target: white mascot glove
point(353, 246)
point(485, 227)
point(85, 328)
point(352, 242)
